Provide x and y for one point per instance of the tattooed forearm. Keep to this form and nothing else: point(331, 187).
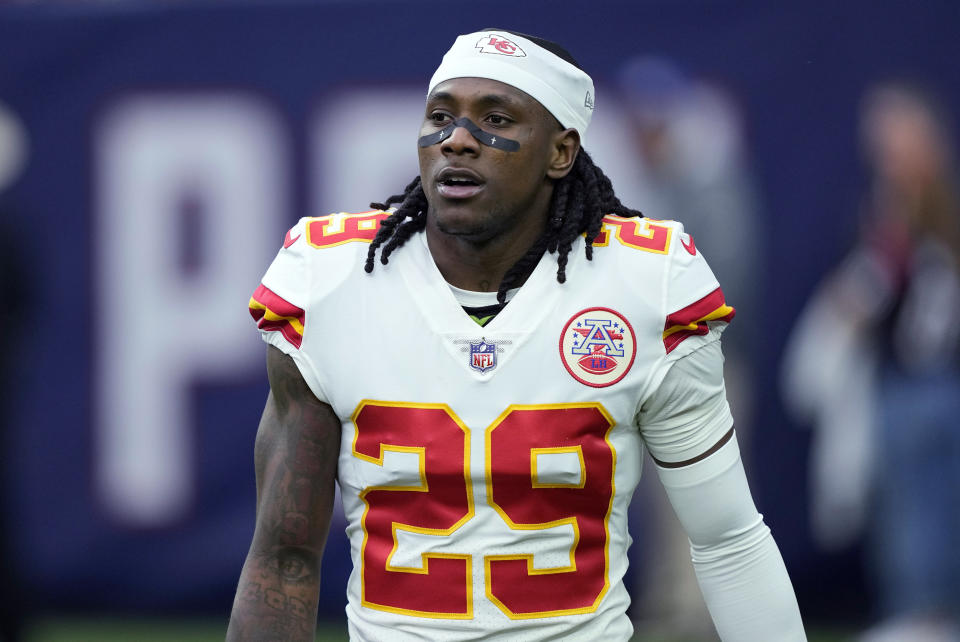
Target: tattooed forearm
point(295, 458)
point(262, 612)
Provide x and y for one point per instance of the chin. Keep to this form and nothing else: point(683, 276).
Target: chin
point(466, 230)
point(461, 221)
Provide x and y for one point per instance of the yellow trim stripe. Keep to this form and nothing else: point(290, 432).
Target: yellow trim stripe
point(719, 313)
point(273, 317)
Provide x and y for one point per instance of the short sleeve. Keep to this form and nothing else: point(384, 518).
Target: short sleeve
point(694, 303)
point(279, 305)
point(688, 414)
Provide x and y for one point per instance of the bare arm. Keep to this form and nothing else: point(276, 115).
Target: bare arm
point(295, 457)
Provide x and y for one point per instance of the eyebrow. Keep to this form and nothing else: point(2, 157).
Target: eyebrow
point(488, 99)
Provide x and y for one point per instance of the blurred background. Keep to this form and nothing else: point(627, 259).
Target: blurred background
point(153, 153)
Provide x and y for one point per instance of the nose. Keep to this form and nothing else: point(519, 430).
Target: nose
point(460, 141)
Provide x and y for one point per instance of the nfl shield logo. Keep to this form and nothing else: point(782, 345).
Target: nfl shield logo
point(483, 356)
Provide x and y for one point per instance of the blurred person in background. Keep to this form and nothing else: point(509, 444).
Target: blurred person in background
point(689, 138)
point(874, 365)
point(689, 135)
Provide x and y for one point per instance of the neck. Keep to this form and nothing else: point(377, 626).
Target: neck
point(474, 249)
point(479, 265)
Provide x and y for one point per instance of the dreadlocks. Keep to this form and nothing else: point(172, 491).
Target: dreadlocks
point(580, 201)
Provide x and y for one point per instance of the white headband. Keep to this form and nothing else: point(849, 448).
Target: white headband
point(566, 91)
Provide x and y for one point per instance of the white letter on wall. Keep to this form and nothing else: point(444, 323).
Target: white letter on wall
point(191, 202)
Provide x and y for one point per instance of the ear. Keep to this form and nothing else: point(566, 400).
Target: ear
point(564, 149)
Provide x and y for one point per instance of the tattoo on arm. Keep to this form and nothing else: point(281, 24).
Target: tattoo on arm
point(295, 458)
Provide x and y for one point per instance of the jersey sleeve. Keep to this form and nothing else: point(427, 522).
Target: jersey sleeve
point(688, 415)
point(696, 311)
point(280, 304)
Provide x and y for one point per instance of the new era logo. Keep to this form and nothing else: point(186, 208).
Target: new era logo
point(497, 44)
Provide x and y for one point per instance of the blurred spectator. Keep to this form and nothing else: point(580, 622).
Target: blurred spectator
point(873, 365)
point(688, 136)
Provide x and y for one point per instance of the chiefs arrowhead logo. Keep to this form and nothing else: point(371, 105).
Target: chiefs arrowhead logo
point(492, 43)
point(691, 247)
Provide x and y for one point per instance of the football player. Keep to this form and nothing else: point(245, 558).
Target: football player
point(483, 396)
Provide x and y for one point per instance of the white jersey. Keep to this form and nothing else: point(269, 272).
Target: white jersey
point(486, 472)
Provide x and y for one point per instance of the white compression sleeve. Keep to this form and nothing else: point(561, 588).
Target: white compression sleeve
point(688, 413)
point(738, 565)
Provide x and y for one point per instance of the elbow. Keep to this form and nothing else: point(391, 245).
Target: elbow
point(292, 564)
point(740, 543)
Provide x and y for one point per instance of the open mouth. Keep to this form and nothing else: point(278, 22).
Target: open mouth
point(458, 184)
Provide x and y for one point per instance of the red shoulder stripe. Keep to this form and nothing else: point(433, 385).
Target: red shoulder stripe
point(692, 320)
point(275, 314)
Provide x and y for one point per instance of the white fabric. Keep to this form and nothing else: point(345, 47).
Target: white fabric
point(398, 339)
point(738, 566)
point(473, 299)
point(689, 412)
point(566, 91)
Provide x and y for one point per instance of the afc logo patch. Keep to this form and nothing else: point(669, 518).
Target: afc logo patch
point(483, 355)
point(497, 44)
point(597, 347)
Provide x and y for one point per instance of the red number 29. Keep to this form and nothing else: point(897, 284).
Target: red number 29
point(442, 502)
